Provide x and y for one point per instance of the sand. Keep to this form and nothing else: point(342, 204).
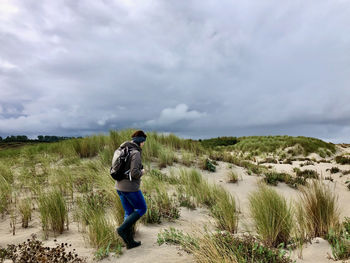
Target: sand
point(190, 220)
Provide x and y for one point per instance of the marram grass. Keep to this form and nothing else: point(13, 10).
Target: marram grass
point(53, 211)
point(272, 216)
point(318, 205)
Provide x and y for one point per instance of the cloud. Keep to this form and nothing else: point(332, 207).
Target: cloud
point(190, 67)
point(169, 116)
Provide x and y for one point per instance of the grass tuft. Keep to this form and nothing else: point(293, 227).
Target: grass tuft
point(25, 209)
point(272, 216)
point(319, 208)
point(232, 177)
point(53, 211)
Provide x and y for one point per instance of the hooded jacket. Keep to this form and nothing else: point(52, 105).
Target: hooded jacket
point(135, 165)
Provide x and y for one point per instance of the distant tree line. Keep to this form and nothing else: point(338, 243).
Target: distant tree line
point(41, 138)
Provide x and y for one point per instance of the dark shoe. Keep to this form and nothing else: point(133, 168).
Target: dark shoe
point(123, 229)
point(132, 242)
point(124, 236)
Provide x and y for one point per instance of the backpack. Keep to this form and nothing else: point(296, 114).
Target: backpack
point(120, 159)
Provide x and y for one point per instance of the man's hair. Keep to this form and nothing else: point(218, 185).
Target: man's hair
point(139, 133)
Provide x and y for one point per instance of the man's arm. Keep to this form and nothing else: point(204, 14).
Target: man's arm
point(136, 165)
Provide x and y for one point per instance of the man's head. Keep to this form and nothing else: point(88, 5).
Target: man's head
point(139, 137)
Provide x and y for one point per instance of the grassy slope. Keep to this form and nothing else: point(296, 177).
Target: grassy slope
point(271, 144)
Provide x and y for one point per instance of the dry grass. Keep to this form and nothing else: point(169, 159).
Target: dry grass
point(318, 208)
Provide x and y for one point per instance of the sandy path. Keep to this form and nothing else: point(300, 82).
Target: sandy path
point(150, 251)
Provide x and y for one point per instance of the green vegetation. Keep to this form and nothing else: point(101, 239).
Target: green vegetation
point(176, 237)
point(306, 173)
point(222, 205)
point(219, 141)
point(78, 170)
point(318, 209)
point(229, 248)
point(223, 247)
point(232, 177)
point(341, 159)
point(5, 194)
point(160, 206)
point(334, 170)
point(25, 209)
point(166, 157)
point(53, 211)
point(228, 157)
point(340, 243)
point(272, 216)
point(101, 233)
point(271, 144)
point(207, 164)
point(273, 178)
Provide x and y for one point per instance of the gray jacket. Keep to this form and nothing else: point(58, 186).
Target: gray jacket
point(135, 165)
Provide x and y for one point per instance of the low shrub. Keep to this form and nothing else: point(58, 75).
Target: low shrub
point(306, 173)
point(340, 243)
point(288, 161)
point(268, 160)
point(153, 214)
point(225, 247)
point(176, 237)
point(273, 178)
point(168, 207)
point(334, 170)
point(295, 182)
point(346, 172)
point(341, 159)
point(208, 164)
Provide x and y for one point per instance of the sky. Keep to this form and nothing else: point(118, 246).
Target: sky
point(196, 68)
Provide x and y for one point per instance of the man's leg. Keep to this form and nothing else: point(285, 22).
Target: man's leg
point(137, 200)
point(128, 207)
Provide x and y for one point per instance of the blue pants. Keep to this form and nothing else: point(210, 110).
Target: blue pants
point(132, 201)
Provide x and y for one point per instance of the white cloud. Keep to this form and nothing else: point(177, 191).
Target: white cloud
point(7, 66)
point(170, 116)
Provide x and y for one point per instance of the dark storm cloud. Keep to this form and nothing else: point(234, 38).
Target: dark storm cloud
point(196, 68)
